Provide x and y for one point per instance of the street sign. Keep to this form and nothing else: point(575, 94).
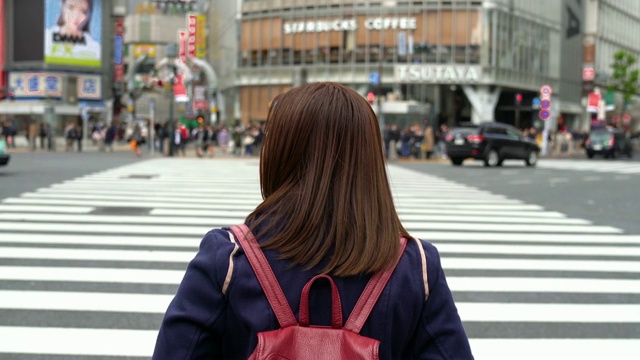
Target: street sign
point(546, 91)
point(588, 74)
point(535, 103)
point(544, 114)
point(545, 104)
point(374, 78)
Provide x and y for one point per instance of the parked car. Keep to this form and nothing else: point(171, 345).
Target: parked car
point(4, 156)
point(608, 142)
point(491, 142)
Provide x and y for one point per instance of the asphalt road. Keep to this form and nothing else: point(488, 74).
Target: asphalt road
point(106, 252)
point(29, 171)
point(605, 198)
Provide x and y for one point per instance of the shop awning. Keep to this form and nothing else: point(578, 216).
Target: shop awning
point(36, 108)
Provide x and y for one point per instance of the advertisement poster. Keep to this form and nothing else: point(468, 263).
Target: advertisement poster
point(73, 32)
point(118, 50)
point(182, 46)
point(191, 35)
point(201, 36)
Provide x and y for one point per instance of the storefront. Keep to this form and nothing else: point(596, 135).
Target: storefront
point(462, 61)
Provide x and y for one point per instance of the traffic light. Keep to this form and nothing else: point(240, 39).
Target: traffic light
point(371, 97)
point(518, 99)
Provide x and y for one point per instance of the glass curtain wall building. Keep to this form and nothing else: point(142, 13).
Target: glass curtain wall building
point(457, 61)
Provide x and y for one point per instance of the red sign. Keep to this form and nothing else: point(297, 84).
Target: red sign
point(544, 114)
point(182, 41)
point(545, 92)
point(588, 74)
point(179, 89)
point(592, 102)
point(192, 20)
point(626, 118)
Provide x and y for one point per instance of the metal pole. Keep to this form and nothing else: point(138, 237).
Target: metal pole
point(379, 99)
point(171, 126)
point(152, 129)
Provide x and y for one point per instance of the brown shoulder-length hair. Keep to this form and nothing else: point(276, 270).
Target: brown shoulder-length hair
point(324, 183)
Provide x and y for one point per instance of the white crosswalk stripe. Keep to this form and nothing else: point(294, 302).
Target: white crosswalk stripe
point(112, 246)
point(599, 166)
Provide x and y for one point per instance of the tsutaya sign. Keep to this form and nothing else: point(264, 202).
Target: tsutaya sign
point(377, 23)
point(455, 74)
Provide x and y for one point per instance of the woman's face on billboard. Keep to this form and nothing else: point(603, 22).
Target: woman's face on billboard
point(75, 15)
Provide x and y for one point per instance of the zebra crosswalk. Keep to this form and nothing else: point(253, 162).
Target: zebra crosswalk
point(88, 266)
point(601, 166)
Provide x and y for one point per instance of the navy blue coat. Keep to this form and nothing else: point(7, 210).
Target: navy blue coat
point(203, 323)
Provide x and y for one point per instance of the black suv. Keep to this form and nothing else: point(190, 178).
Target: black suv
point(491, 142)
point(608, 142)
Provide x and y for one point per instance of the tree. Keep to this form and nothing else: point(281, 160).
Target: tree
point(623, 79)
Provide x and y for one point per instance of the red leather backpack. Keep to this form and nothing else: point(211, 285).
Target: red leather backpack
point(304, 341)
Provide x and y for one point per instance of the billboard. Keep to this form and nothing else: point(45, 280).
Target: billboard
point(44, 85)
point(73, 32)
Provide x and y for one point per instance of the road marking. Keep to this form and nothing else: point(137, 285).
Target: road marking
point(231, 205)
point(93, 275)
point(436, 236)
point(86, 239)
point(69, 341)
point(521, 182)
point(48, 209)
point(462, 263)
point(487, 349)
point(405, 212)
point(511, 227)
point(199, 220)
point(558, 180)
point(547, 285)
point(97, 255)
point(539, 250)
point(554, 313)
point(84, 301)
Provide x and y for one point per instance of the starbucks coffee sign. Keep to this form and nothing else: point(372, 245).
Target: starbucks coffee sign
point(374, 23)
point(454, 74)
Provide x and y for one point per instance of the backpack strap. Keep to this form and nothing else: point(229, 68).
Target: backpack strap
point(265, 275)
point(371, 293)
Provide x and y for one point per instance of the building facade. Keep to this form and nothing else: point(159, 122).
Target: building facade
point(54, 76)
point(435, 61)
point(611, 26)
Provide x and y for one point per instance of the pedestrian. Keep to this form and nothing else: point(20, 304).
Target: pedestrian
point(136, 138)
point(79, 136)
point(327, 209)
point(71, 133)
point(429, 142)
point(33, 132)
point(223, 140)
point(109, 137)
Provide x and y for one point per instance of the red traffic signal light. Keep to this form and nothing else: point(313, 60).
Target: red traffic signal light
point(371, 97)
point(518, 98)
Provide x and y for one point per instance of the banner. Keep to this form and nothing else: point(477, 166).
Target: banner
point(199, 100)
point(118, 44)
point(182, 43)
point(191, 35)
point(73, 32)
point(49, 85)
point(201, 36)
point(151, 50)
point(592, 102)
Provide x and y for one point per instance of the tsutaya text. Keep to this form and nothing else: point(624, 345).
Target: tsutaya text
point(377, 23)
point(438, 73)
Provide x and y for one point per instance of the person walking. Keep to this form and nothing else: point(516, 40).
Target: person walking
point(429, 142)
point(109, 137)
point(33, 132)
point(136, 138)
point(327, 214)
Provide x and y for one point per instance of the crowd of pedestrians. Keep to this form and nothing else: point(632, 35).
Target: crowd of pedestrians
point(414, 142)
